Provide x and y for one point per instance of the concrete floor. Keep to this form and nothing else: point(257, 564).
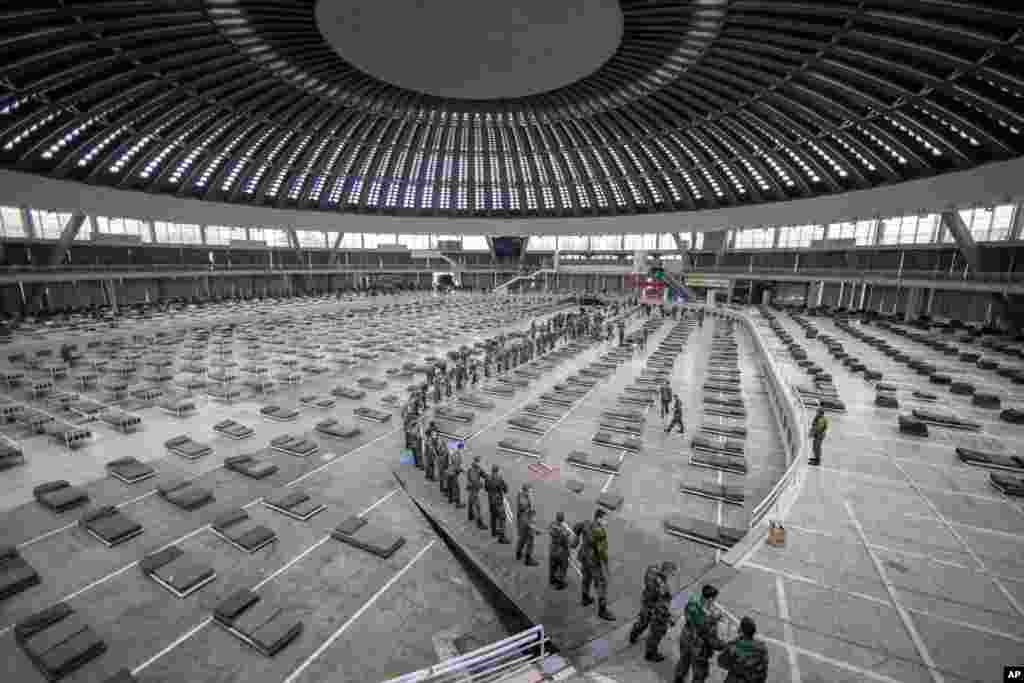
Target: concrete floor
point(901, 564)
point(365, 618)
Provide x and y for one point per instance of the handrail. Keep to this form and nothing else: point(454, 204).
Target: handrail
point(517, 651)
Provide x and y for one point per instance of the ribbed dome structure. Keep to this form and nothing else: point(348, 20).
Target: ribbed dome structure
point(704, 104)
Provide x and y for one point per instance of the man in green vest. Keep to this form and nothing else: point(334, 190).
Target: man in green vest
point(745, 658)
point(699, 637)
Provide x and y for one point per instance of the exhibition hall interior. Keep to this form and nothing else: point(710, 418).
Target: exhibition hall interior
point(467, 341)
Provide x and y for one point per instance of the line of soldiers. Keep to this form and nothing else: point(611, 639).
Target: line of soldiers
point(745, 658)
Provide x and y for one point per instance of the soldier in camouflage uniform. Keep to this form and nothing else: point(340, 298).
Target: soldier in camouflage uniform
point(699, 637)
point(496, 490)
point(475, 479)
point(430, 448)
point(592, 538)
point(452, 474)
point(745, 658)
point(654, 612)
point(442, 465)
point(558, 557)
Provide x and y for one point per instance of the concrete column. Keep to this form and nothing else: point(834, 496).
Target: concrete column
point(929, 301)
point(151, 226)
point(821, 293)
point(863, 295)
point(842, 290)
point(28, 222)
point(67, 236)
point(962, 235)
point(1018, 223)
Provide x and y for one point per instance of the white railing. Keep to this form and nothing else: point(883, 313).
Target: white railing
point(489, 663)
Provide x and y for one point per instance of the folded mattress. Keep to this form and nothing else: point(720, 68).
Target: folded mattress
point(16, 575)
point(1009, 484)
point(519, 447)
point(261, 624)
point(317, 401)
point(629, 428)
point(233, 429)
point(734, 495)
point(527, 424)
point(617, 441)
point(348, 393)
point(374, 539)
point(633, 416)
point(250, 466)
point(184, 494)
point(704, 532)
point(60, 496)
point(294, 503)
point(238, 529)
point(944, 419)
point(606, 464)
point(279, 413)
point(717, 444)
point(294, 445)
point(736, 464)
point(110, 526)
point(176, 571)
point(337, 429)
point(996, 461)
point(187, 448)
point(371, 414)
point(58, 641)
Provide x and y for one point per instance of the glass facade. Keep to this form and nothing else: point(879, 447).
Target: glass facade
point(986, 224)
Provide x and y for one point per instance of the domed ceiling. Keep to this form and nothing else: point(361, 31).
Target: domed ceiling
point(489, 108)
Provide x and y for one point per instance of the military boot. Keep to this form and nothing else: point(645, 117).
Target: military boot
point(587, 600)
point(602, 611)
point(530, 562)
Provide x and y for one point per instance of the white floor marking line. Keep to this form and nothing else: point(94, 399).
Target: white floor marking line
point(853, 474)
point(787, 630)
point(879, 601)
point(908, 623)
point(960, 539)
point(379, 501)
point(367, 605)
point(1018, 538)
point(295, 560)
point(866, 674)
point(181, 639)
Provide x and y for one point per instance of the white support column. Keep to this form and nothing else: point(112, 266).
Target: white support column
point(1018, 223)
point(821, 293)
point(28, 222)
point(202, 233)
point(842, 289)
point(152, 231)
point(863, 295)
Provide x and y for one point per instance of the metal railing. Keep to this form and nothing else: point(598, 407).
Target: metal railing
point(489, 663)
